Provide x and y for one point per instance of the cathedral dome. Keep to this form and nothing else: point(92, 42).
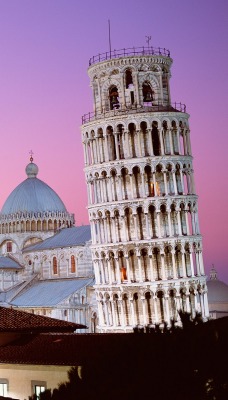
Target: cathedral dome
point(32, 196)
point(217, 290)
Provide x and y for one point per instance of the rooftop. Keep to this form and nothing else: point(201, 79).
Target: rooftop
point(12, 320)
point(49, 293)
point(68, 237)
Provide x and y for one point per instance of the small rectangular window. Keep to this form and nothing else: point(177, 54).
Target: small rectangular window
point(4, 387)
point(38, 387)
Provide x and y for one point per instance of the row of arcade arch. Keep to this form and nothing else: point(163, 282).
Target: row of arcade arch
point(150, 308)
point(158, 263)
point(138, 182)
point(132, 142)
point(128, 224)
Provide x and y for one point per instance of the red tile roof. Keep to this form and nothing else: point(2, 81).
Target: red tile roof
point(12, 320)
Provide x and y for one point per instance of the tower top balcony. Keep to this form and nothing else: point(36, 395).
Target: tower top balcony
point(129, 52)
point(99, 114)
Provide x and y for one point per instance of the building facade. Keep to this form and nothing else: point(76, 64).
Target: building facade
point(45, 261)
point(142, 203)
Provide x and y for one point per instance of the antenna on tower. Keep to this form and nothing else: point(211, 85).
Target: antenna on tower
point(109, 38)
point(148, 39)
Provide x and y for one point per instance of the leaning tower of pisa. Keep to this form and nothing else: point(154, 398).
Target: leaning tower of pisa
point(142, 203)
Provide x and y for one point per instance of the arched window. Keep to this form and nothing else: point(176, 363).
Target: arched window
point(114, 98)
point(72, 265)
point(147, 93)
point(54, 266)
point(9, 247)
point(128, 78)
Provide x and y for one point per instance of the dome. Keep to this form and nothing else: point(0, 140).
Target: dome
point(32, 195)
point(217, 290)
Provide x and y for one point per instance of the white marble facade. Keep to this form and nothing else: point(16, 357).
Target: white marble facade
point(142, 202)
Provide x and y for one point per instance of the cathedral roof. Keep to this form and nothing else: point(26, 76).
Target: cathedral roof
point(32, 195)
point(9, 263)
point(49, 293)
point(75, 236)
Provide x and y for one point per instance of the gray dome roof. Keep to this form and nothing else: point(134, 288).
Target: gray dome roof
point(217, 291)
point(33, 195)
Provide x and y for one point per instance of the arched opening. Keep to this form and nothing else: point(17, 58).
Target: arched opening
point(187, 260)
point(9, 246)
point(100, 139)
point(165, 132)
point(132, 260)
point(113, 268)
point(120, 140)
point(126, 308)
point(147, 94)
point(123, 269)
point(132, 133)
point(150, 192)
point(164, 221)
point(169, 177)
point(114, 98)
point(161, 311)
point(141, 223)
point(178, 261)
point(183, 300)
point(117, 308)
point(183, 220)
point(152, 220)
point(109, 227)
point(159, 177)
point(136, 308)
point(148, 299)
point(54, 266)
point(156, 257)
point(178, 179)
point(128, 78)
point(105, 186)
point(129, 223)
point(145, 264)
point(145, 139)
point(137, 181)
point(172, 305)
point(126, 182)
point(174, 221)
point(114, 185)
point(175, 138)
point(33, 226)
point(155, 139)
point(111, 143)
point(117, 224)
point(181, 131)
point(72, 264)
point(168, 262)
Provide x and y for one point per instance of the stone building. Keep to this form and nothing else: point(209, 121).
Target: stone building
point(45, 261)
point(217, 296)
point(142, 202)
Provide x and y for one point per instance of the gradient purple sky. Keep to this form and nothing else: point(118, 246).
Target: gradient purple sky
point(45, 46)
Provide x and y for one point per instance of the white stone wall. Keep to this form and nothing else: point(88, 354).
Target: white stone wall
point(142, 202)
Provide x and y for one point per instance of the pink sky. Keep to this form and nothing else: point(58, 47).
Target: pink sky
point(45, 46)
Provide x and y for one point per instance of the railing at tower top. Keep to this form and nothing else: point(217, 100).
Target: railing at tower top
point(173, 107)
point(134, 51)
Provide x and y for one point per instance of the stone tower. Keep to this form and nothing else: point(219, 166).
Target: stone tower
point(142, 204)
